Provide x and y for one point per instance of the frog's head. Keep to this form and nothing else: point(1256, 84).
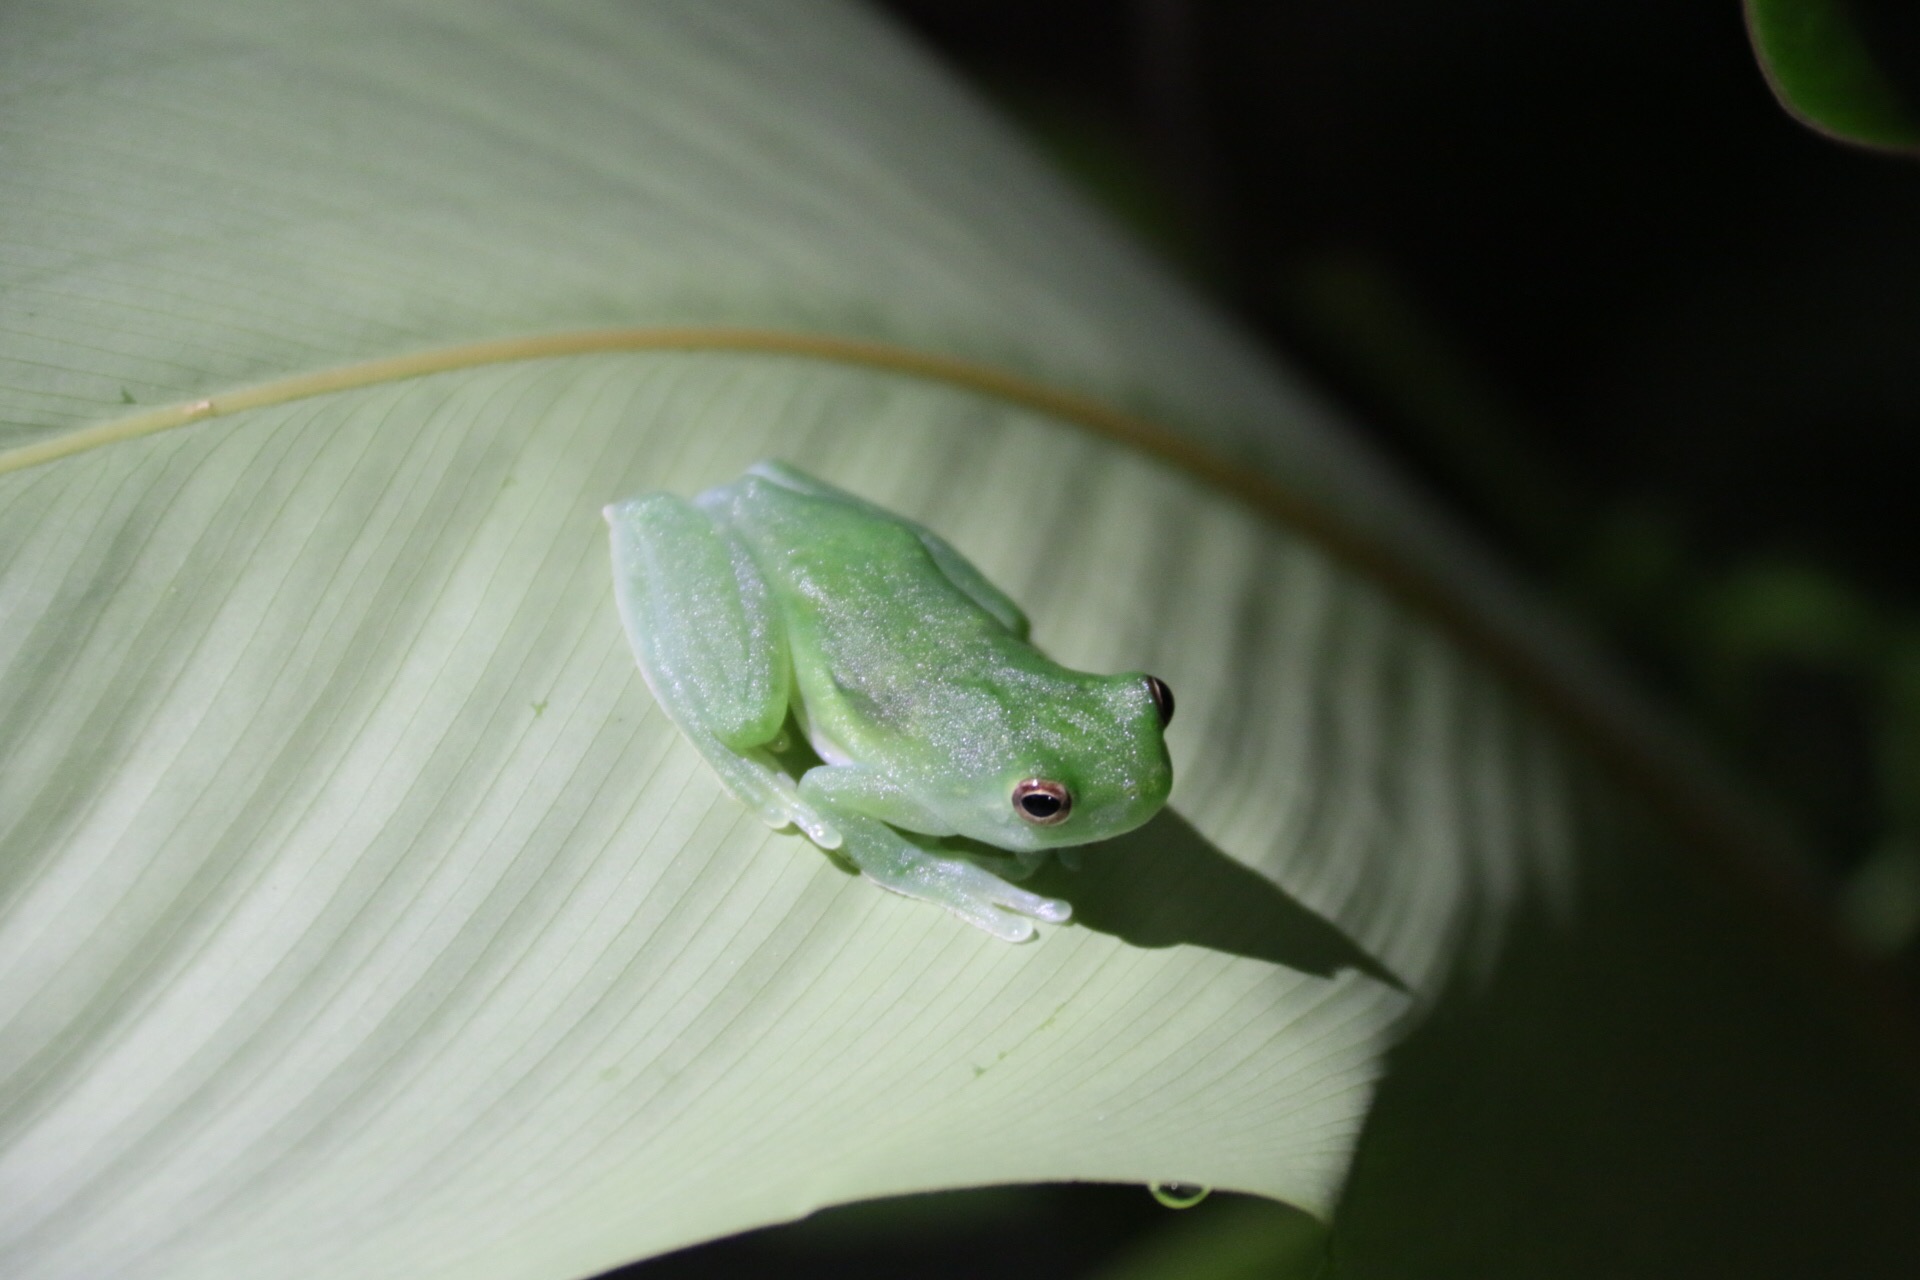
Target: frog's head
point(1092, 767)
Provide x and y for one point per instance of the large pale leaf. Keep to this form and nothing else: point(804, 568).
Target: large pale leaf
point(360, 913)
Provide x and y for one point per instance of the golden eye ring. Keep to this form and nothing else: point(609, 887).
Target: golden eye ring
point(1042, 802)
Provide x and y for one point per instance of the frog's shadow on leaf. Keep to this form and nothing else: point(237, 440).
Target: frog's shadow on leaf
point(1162, 885)
point(1166, 884)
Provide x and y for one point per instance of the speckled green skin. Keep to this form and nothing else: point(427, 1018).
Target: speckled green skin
point(910, 674)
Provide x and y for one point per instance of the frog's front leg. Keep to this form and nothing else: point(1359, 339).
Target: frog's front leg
point(863, 804)
point(710, 644)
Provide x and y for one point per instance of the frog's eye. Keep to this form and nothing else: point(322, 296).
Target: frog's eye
point(1043, 803)
point(1162, 699)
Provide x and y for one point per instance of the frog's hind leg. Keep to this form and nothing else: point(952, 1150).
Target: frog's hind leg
point(709, 642)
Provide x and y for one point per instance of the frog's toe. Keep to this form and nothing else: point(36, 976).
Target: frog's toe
point(1049, 910)
point(780, 814)
point(1001, 924)
point(1052, 910)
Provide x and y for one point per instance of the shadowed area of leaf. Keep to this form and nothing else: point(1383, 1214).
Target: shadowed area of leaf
point(1166, 884)
point(1163, 885)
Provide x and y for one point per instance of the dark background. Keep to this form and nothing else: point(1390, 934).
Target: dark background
point(1655, 342)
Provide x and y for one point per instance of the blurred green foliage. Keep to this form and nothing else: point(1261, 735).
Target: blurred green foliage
point(1825, 70)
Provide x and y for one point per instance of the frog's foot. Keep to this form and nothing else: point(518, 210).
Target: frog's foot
point(977, 896)
point(806, 819)
point(755, 776)
point(971, 892)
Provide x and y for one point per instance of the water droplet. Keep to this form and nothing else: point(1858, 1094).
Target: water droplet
point(1179, 1195)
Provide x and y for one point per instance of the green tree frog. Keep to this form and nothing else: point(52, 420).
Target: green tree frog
point(910, 674)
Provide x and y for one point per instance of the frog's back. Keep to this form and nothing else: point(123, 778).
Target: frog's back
point(854, 571)
point(885, 644)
